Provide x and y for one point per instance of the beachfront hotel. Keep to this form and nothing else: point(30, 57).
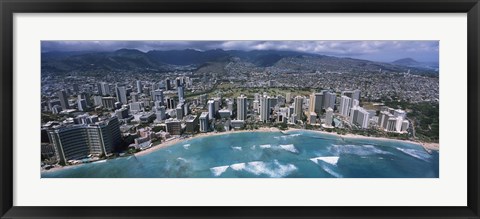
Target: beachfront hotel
point(77, 141)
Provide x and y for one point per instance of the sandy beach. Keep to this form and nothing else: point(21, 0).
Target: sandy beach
point(179, 140)
point(427, 146)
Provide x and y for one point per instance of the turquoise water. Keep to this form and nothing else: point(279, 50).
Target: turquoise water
point(298, 154)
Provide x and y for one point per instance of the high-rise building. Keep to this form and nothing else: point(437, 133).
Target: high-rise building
point(355, 103)
point(356, 95)
point(359, 116)
point(224, 113)
point(134, 96)
point(179, 111)
point(84, 96)
point(204, 124)
point(392, 124)
point(211, 109)
point(298, 107)
point(329, 116)
point(121, 93)
point(97, 100)
point(160, 113)
point(328, 100)
point(122, 113)
point(168, 85)
point(203, 99)
point(191, 124)
point(186, 108)
point(264, 109)
point(136, 106)
point(363, 118)
point(345, 105)
point(82, 104)
point(104, 89)
point(56, 109)
point(256, 105)
point(181, 92)
point(170, 103)
point(62, 95)
point(108, 102)
point(218, 103)
point(400, 113)
point(230, 105)
point(139, 88)
point(75, 142)
point(316, 102)
point(173, 126)
point(242, 107)
point(383, 119)
point(288, 97)
point(158, 96)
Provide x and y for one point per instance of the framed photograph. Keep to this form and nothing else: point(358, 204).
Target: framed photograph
point(216, 109)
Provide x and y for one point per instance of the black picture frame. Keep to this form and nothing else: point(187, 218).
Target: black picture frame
point(9, 7)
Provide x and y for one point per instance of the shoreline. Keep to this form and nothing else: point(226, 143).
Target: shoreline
point(201, 135)
point(425, 145)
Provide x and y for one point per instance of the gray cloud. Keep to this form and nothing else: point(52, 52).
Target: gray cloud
point(373, 50)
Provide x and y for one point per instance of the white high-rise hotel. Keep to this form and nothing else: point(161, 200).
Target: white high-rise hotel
point(211, 109)
point(242, 107)
point(298, 110)
point(264, 108)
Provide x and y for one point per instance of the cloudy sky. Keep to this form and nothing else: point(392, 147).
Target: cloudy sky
point(387, 51)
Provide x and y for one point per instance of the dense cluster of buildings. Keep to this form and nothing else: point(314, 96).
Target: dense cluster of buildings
point(96, 119)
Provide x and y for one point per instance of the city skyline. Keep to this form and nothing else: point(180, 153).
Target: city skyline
point(237, 114)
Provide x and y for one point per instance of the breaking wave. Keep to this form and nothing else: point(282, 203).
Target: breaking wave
point(237, 148)
point(186, 146)
point(361, 150)
point(274, 170)
point(238, 166)
point(287, 136)
point(331, 160)
point(415, 153)
point(217, 171)
point(331, 171)
point(265, 146)
point(289, 147)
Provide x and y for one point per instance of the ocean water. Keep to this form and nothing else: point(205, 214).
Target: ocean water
point(296, 154)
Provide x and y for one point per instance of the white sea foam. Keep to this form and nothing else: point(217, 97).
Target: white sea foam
point(332, 172)
point(289, 147)
point(414, 153)
point(274, 170)
point(217, 171)
point(265, 146)
point(253, 147)
point(186, 146)
point(287, 136)
point(331, 160)
point(361, 150)
point(237, 148)
point(238, 166)
point(271, 169)
point(182, 159)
